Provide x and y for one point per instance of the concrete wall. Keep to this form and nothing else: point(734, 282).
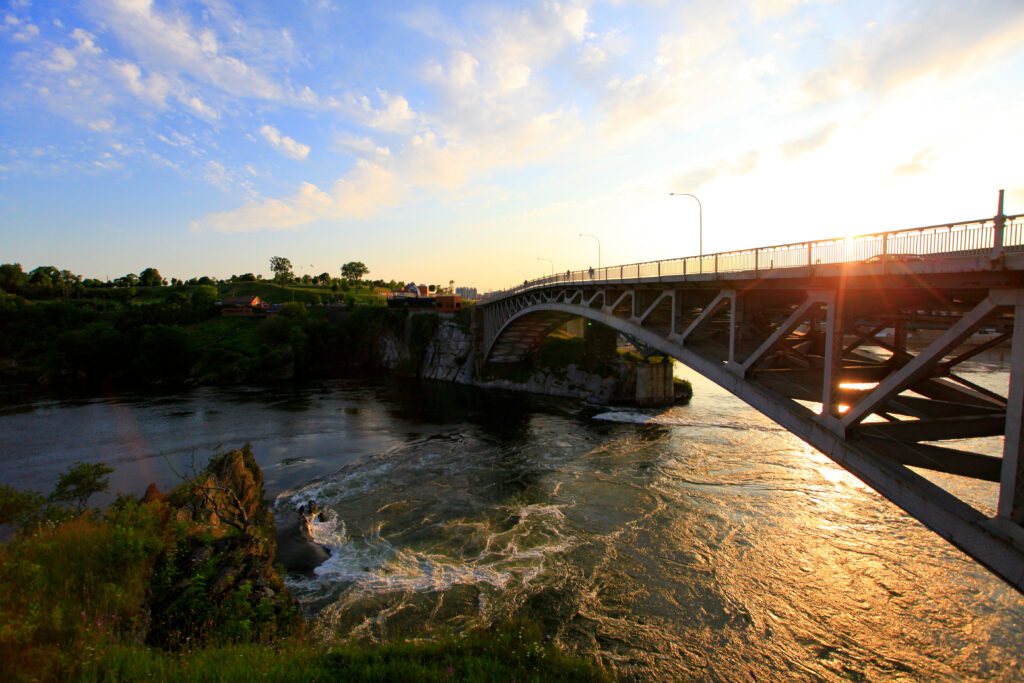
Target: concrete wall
point(654, 384)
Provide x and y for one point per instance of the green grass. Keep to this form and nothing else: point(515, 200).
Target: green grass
point(514, 651)
point(72, 588)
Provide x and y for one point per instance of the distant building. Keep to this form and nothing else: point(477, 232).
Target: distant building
point(244, 306)
point(467, 292)
point(447, 303)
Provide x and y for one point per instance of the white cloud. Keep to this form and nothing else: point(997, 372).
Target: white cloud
point(217, 175)
point(592, 57)
point(362, 146)
point(172, 45)
point(61, 59)
point(395, 115)
point(809, 143)
point(284, 144)
point(943, 39)
point(85, 41)
point(772, 9)
point(26, 33)
point(154, 87)
point(921, 163)
point(200, 108)
point(693, 180)
point(363, 191)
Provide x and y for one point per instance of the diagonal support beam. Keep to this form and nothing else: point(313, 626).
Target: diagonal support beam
point(628, 292)
point(650, 309)
point(724, 297)
point(960, 427)
point(921, 366)
point(790, 324)
point(938, 458)
point(971, 353)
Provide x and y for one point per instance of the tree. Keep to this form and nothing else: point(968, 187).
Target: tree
point(204, 296)
point(150, 277)
point(282, 269)
point(354, 270)
point(79, 483)
point(12, 278)
point(129, 280)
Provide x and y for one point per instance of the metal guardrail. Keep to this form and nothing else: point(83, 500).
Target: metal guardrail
point(990, 235)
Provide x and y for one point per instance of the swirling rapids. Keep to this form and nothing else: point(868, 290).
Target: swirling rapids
point(698, 543)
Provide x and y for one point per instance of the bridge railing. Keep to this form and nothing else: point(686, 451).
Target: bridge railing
point(964, 238)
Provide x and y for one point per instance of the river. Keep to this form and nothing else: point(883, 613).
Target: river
point(701, 542)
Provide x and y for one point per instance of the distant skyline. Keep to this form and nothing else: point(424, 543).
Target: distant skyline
point(473, 142)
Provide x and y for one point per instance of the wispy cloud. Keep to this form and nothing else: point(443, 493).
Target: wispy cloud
point(284, 144)
point(692, 180)
point(921, 163)
point(809, 143)
point(364, 191)
point(941, 39)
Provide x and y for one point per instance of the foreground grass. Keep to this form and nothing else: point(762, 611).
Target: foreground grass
point(513, 652)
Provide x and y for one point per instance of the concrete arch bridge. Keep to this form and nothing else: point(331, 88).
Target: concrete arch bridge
point(855, 345)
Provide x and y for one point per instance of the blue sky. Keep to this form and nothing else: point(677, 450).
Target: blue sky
point(475, 141)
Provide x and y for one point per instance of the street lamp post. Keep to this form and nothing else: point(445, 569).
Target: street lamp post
point(598, 248)
point(700, 215)
point(550, 262)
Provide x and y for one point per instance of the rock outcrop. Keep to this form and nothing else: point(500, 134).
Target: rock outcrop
point(218, 582)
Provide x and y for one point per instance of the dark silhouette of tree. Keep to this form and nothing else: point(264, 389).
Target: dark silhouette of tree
point(354, 270)
point(282, 269)
point(12, 278)
point(150, 277)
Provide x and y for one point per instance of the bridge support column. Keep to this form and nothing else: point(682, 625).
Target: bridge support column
point(601, 344)
point(1011, 488)
point(655, 385)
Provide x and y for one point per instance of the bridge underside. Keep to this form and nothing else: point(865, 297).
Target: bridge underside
point(864, 362)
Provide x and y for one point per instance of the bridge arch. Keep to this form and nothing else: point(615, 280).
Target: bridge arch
point(523, 332)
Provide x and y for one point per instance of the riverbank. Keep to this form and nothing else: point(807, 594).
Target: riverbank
point(184, 586)
point(184, 343)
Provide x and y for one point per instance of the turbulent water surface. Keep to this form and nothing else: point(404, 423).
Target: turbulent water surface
point(700, 542)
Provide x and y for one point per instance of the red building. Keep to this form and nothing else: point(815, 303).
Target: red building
point(246, 306)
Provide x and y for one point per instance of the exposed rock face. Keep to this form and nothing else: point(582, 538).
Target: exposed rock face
point(389, 351)
point(219, 582)
point(449, 355)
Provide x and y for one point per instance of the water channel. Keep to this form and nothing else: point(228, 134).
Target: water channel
point(701, 542)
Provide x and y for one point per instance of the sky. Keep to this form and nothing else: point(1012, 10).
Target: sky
point(474, 142)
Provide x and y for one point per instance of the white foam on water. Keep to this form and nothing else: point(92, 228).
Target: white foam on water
point(639, 418)
point(668, 420)
point(371, 564)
